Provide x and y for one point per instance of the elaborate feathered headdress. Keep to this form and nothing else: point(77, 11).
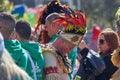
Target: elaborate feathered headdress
point(54, 6)
point(72, 28)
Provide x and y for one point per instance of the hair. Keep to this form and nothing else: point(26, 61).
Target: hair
point(7, 22)
point(44, 37)
point(54, 6)
point(111, 38)
point(9, 70)
point(51, 17)
point(23, 29)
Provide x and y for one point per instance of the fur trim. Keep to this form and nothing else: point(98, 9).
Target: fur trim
point(53, 77)
point(49, 50)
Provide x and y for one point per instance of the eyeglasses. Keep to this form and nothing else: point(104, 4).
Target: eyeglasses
point(101, 41)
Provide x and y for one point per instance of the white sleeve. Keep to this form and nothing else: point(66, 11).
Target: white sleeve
point(51, 61)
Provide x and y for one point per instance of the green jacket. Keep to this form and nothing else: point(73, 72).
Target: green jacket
point(72, 56)
point(17, 53)
point(35, 52)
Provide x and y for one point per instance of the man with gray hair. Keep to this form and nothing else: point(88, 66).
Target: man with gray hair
point(57, 65)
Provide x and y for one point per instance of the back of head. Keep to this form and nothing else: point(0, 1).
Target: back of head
point(51, 27)
point(23, 29)
point(7, 24)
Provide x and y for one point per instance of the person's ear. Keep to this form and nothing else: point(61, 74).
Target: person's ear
point(13, 35)
point(17, 36)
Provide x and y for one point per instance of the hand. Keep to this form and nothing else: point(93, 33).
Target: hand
point(82, 45)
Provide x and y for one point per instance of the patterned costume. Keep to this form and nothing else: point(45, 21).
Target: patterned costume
point(71, 56)
point(52, 7)
point(72, 29)
point(56, 67)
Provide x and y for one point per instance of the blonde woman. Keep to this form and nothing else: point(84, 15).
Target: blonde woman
point(116, 54)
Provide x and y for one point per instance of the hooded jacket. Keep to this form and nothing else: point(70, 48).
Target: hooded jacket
point(17, 53)
point(35, 52)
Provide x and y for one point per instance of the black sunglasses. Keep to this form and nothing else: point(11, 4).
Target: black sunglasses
point(101, 41)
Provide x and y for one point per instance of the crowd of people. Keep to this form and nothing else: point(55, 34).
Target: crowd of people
point(55, 48)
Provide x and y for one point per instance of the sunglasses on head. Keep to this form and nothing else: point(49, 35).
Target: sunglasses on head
point(101, 41)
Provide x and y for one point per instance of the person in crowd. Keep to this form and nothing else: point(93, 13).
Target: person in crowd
point(8, 69)
point(115, 55)
point(91, 63)
point(116, 61)
point(47, 17)
point(51, 27)
point(92, 44)
point(36, 62)
point(54, 6)
point(7, 25)
point(108, 41)
point(57, 66)
point(118, 21)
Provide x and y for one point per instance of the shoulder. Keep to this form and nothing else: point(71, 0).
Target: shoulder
point(49, 56)
point(47, 49)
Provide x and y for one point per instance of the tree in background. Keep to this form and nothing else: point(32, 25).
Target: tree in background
point(1, 5)
point(5, 5)
point(101, 12)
